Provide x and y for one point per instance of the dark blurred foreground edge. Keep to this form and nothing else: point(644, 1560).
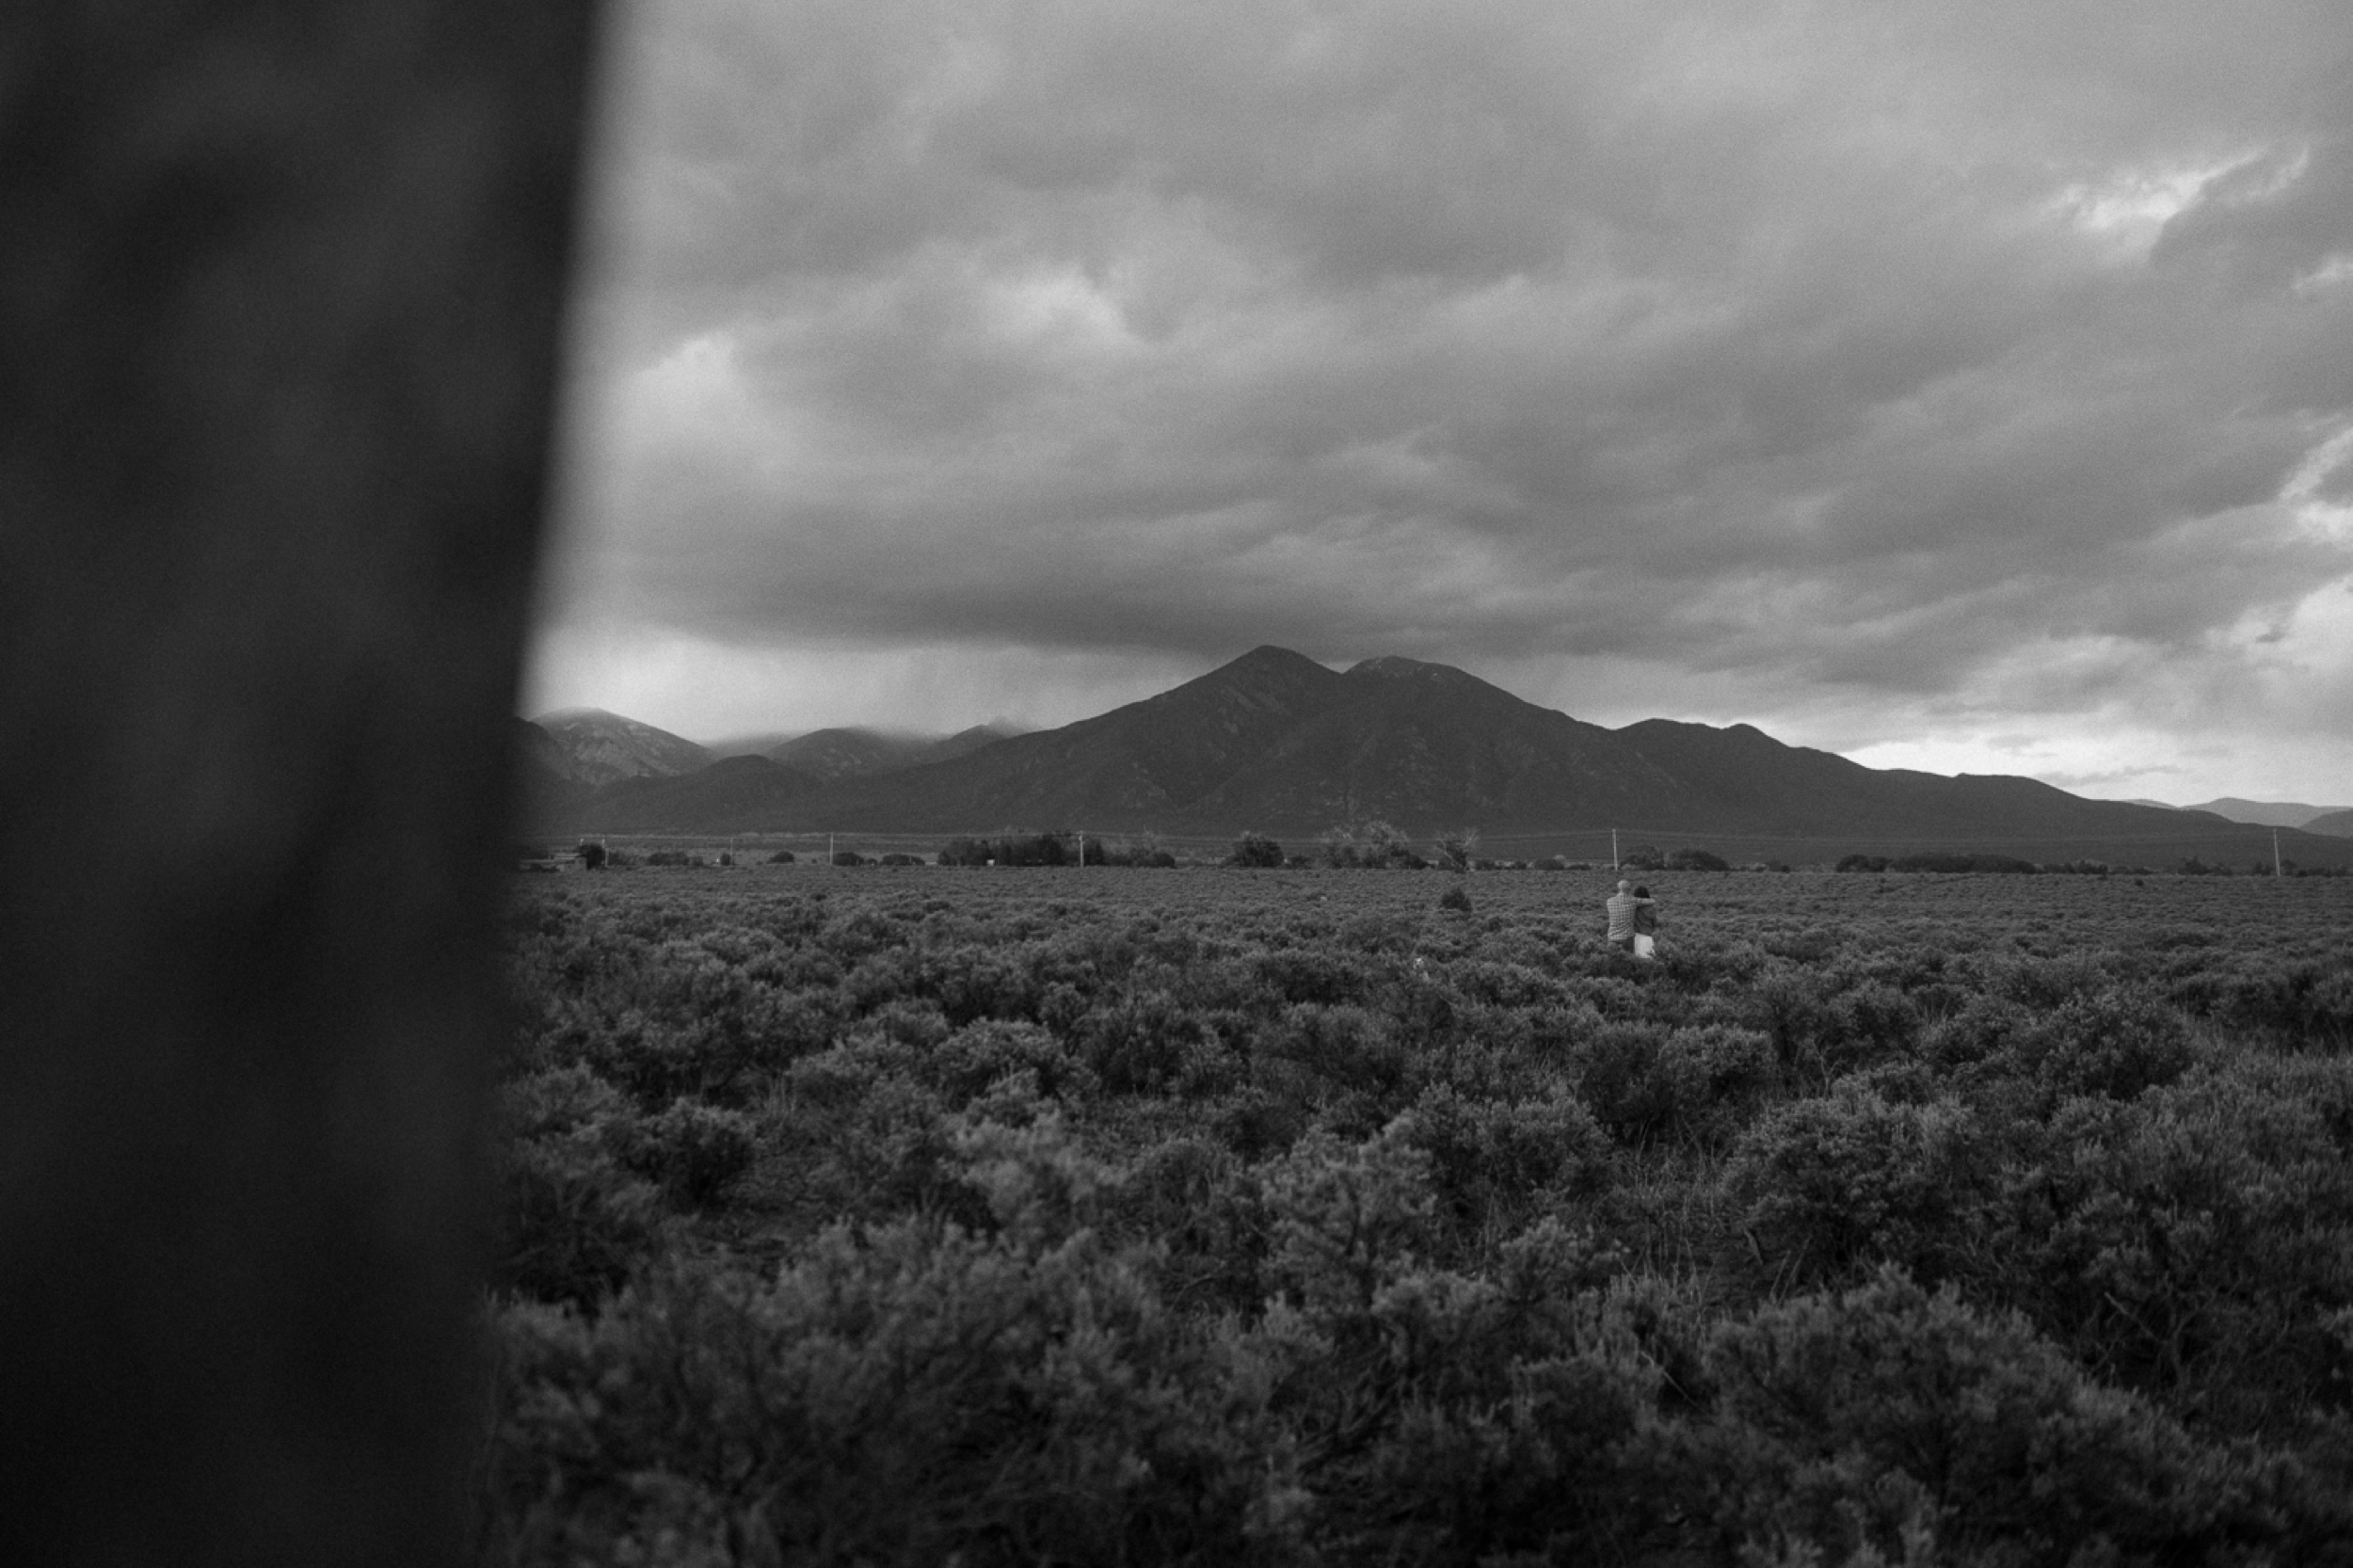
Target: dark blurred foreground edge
point(279, 296)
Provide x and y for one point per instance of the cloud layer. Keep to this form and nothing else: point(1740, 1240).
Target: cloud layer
point(1888, 375)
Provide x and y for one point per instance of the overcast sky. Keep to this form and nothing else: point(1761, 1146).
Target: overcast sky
point(1964, 384)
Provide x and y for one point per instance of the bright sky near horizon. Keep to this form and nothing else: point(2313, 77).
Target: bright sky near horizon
point(1954, 384)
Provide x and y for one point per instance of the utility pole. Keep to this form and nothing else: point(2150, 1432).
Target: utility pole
point(830, 851)
point(2276, 872)
point(1613, 850)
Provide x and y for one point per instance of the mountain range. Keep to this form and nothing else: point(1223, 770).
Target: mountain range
point(592, 748)
point(1278, 742)
point(2274, 813)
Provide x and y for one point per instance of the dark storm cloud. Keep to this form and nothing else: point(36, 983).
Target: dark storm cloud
point(1857, 346)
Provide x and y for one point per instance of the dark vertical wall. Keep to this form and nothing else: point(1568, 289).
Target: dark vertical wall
point(279, 289)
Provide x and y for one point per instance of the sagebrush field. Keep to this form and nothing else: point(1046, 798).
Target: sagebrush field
point(993, 1216)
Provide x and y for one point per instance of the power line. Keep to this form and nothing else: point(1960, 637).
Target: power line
point(2252, 832)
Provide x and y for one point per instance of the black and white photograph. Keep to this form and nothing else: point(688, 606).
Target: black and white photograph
point(1492, 783)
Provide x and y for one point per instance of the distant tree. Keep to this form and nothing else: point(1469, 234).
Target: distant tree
point(1697, 860)
point(1455, 850)
point(2005, 863)
point(592, 855)
point(1643, 858)
point(1256, 849)
point(1337, 846)
point(782, 858)
point(1862, 863)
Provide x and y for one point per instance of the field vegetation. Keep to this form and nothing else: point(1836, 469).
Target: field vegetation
point(930, 1214)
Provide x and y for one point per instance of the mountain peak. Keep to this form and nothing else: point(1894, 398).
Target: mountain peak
point(1265, 674)
point(1267, 656)
point(601, 746)
point(1396, 666)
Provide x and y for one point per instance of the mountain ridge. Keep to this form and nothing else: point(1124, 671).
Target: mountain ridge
point(1275, 741)
point(600, 748)
point(2267, 813)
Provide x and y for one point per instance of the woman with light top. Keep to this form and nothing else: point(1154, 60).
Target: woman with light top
point(1645, 924)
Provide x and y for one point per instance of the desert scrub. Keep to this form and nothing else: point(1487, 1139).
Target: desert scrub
point(1281, 1216)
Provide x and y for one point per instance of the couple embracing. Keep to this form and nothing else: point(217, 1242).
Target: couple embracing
point(1633, 920)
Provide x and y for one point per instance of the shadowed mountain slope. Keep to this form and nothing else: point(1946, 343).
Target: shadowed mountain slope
point(856, 753)
point(1741, 780)
point(1148, 764)
point(733, 796)
point(1427, 747)
point(600, 747)
point(831, 754)
point(1275, 741)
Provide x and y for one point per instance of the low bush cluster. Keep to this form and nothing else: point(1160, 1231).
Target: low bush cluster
point(1052, 849)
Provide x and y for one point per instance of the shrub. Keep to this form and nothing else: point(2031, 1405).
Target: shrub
point(1850, 1178)
point(1887, 1420)
point(576, 1221)
point(1697, 860)
point(1455, 850)
point(1863, 1024)
point(1623, 1081)
point(696, 1151)
point(782, 858)
point(858, 1132)
point(576, 1225)
point(1348, 1218)
point(1457, 897)
point(980, 1054)
point(918, 1394)
point(1981, 1029)
point(2105, 1043)
point(1337, 847)
point(1254, 849)
point(2194, 1241)
point(558, 1103)
point(1493, 1159)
